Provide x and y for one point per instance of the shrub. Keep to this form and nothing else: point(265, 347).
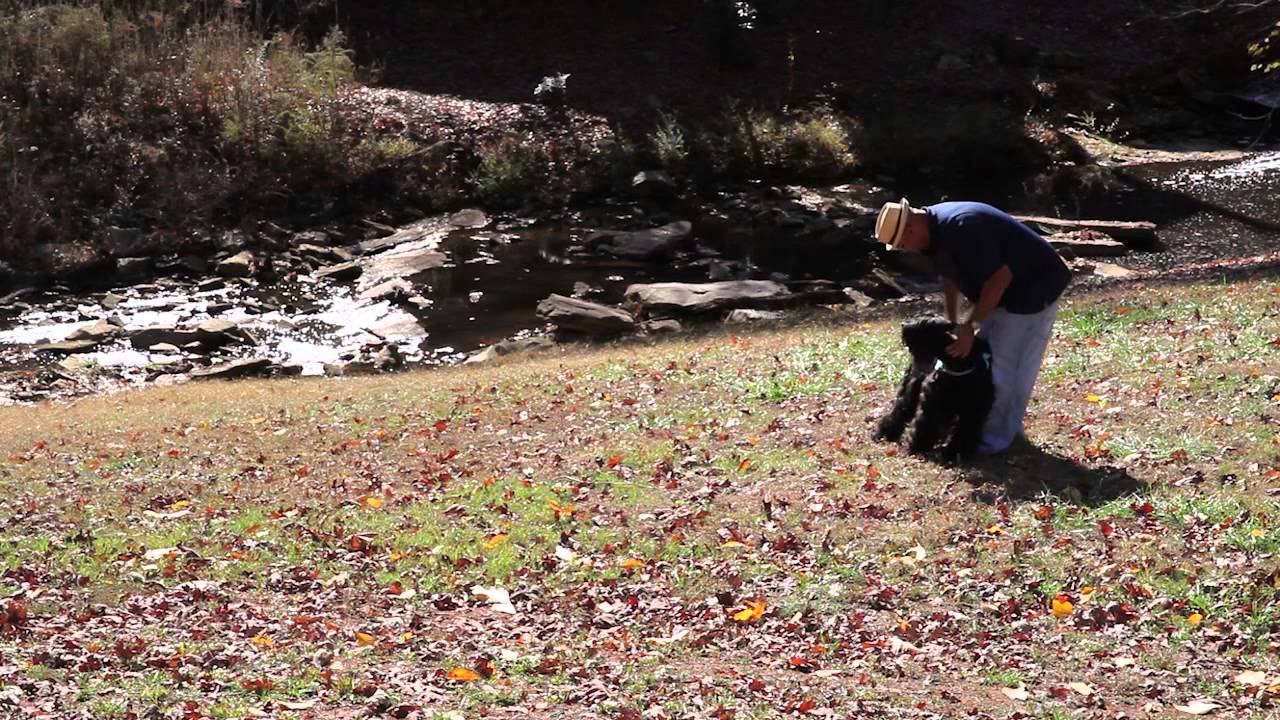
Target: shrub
point(504, 175)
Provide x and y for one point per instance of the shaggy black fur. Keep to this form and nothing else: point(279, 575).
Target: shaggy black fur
point(955, 397)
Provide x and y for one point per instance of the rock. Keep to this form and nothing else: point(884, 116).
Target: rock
point(743, 316)
point(1087, 243)
point(393, 290)
point(234, 369)
point(642, 244)
point(677, 298)
point(325, 254)
point(653, 184)
point(207, 335)
point(576, 315)
point(239, 265)
point(581, 289)
point(511, 347)
point(165, 349)
point(171, 380)
point(66, 347)
point(222, 332)
point(401, 261)
point(341, 271)
point(231, 241)
point(429, 231)
point(858, 299)
point(134, 269)
point(661, 327)
point(388, 358)
point(111, 301)
point(194, 264)
point(99, 332)
point(75, 364)
point(211, 284)
point(470, 218)
point(128, 242)
point(310, 237)
point(1109, 270)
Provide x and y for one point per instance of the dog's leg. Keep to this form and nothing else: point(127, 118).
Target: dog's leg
point(904, 407)
point(968, 433)
point(932, 420)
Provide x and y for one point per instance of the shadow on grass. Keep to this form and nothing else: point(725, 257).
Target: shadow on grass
point(1027, 472)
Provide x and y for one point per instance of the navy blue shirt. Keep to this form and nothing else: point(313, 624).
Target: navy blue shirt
point(969, 241)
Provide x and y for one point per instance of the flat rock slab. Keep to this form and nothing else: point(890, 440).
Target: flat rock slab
point(241, 264)
point(432, 229)
point(511, 347)
point(691, 298)
point(742, 316)
point(66, 347)
point(234, 369)
point(642, 244)
point(1087, 243)
point(403, 261)
point(583, 316)
point(341, 271)
point(100, 331)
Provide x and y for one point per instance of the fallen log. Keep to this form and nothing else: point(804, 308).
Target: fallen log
point(1139, 234)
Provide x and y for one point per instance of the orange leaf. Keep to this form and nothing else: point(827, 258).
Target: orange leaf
point(1062, 606)
point(373, 502)
point(745, 465)
point(495, 541)
point(754, 611)
point(364, 638)
point(462, 674)
point(1194, 619)
point(632, 563)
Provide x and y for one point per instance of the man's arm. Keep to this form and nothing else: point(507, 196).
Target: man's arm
point(951, 300)
point(992, 290)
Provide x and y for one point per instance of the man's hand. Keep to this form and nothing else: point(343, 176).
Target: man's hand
point(964, 341)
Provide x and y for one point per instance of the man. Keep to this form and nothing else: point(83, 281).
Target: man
point(1012, 278)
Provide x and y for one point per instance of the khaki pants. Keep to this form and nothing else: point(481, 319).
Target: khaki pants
point(1018, 343)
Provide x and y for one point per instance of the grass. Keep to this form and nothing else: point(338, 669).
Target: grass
point(225, 549)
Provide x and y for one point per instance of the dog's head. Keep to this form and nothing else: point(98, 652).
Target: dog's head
point(926, 338)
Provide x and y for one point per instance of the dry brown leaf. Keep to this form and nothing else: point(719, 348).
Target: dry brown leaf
point(1199, 707)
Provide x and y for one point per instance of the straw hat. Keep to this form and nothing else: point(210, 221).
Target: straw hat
point(891, 224)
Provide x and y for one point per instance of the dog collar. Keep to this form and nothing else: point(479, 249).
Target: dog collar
point(942, 368)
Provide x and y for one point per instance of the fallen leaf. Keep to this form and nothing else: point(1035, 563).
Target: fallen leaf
point(1081, 688)
point(497, 598)
point(495, 541)
point(1252, 678)
point(1062, 606)
point(1194, 619)
point(462, 674)
point(1198, 707)
point(1018, 693)
point(754, 611)
point(632, 563)
point(364, 638)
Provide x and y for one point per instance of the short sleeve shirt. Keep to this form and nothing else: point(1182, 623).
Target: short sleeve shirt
point(969, 241)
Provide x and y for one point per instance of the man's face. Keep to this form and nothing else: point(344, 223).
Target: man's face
point(915, 236)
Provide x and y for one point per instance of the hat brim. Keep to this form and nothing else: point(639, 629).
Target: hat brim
point(900, 225)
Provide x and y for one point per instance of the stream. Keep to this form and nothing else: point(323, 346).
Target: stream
point(496, 271)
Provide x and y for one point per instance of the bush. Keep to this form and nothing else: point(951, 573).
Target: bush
point(168, 121)
point(504, 176)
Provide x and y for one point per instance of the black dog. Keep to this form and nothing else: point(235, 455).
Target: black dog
point(940, 393)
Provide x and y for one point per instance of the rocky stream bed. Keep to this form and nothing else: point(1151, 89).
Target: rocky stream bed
point(467, 286)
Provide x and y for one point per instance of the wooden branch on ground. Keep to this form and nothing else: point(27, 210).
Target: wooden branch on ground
point(1140, 233)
